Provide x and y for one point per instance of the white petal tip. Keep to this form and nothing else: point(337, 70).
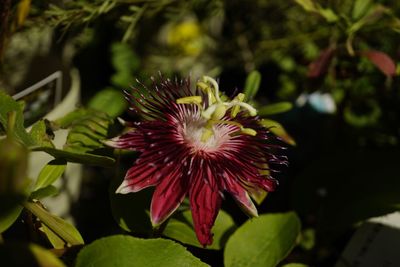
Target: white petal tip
point(124, 188)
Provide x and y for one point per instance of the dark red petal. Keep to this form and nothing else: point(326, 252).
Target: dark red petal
point(319, 66)
point(382, 61)
point(167, 197)
point(139, 177)
point(205, 202)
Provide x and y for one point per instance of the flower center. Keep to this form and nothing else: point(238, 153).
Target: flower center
point(213, 113)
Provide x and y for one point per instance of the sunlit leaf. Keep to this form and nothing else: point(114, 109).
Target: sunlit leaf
point(59, 226)
point(127, 251)
point(50, 173)
point(182, 230)
point(252, 85)
point(263, 241)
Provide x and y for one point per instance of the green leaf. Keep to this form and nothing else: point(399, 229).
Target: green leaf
point(7, 218)
point(125, 63)
point(263, 241)
point(308, 5)
point(7, 104)
point(252, 85)
point(109, 101)
point(277, 129)
point(182, 230)
point(20, 254)
point(295, 265)
point(43, 192)
point(50, 173)
point(59, 226)
point(54, 239)
point(39, 135)
point(275, 108)
point(127, 251)
point(77, 157)
point(360, 8)
point(70, 118)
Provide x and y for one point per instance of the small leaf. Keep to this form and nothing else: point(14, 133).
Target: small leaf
point(275, 108)
point(7, 104)
point(54, 239)
point(43, 192)
point(263, 241)
point(308, 5)
point(382, 61)
point(44, 257)
point(59, 226)
point(277, 129)
point(127, 251)
point(182, 230)
point(109, 101)
point(50, 173)
point(360, 8)
point(77, 157)
point(39, 134)
point(252, 85)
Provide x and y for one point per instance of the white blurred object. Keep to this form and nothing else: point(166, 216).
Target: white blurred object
point(69, 183)
point(321, 102)
point(375, 243)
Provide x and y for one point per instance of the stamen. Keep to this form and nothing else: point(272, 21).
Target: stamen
point(235, 109)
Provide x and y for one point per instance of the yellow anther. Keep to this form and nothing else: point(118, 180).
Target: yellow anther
point(248, 131)
point(207, 89)
point(190, 100)
point(235, 109)
point(219, 112)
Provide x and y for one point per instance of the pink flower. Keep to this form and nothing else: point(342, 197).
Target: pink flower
point(196, 143)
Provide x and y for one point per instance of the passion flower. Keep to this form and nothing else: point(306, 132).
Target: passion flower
point(196, 142)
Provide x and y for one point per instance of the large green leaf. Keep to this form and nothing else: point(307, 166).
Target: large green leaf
point(59, 226)
point(127, 251)
point(182, 230)
point(50, 173)
point(7, 105)
point(262, 241)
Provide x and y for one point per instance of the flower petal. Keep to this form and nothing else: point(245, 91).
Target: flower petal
point(241, 196)
point(139, 177)
point(167, 197)
point(205, 202)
